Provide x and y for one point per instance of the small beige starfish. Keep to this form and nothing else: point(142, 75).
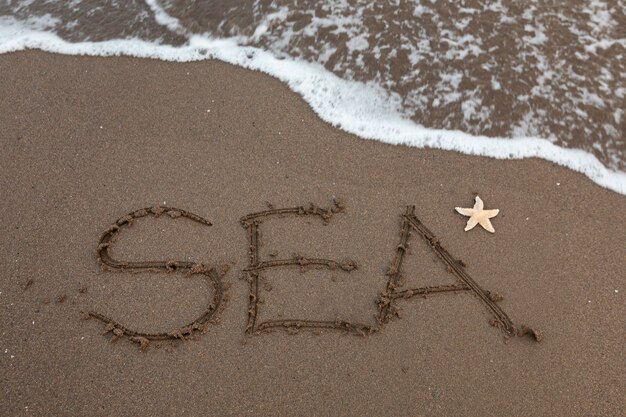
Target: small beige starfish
point(478, 216)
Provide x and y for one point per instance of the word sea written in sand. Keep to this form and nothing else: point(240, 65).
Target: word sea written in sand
point(386, 303)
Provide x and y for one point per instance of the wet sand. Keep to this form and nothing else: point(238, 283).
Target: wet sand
point(89, 140)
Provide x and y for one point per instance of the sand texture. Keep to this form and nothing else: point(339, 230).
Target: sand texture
point(190, 239)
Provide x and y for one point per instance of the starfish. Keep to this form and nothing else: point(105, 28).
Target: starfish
point(478, 215)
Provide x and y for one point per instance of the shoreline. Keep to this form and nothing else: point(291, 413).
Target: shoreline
point(88, 140)
point(325, 92)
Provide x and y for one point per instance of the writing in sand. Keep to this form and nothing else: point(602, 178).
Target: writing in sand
point(386, 302)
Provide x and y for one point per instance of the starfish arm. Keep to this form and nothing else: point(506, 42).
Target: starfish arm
point(479, 204)
point(465, 211)
point(471, 223)
point(486, 224)
point(491, 213)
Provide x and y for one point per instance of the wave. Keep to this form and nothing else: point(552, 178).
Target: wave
point(365, 109)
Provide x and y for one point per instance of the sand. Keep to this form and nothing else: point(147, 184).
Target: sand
point(89, 140)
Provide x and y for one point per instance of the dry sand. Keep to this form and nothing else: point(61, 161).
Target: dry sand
point(87, 140)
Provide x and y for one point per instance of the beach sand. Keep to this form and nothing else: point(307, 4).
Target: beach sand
point(88, 140)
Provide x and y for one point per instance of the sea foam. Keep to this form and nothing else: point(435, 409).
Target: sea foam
point(363, 109)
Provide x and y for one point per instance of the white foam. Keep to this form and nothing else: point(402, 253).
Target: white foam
point(364, 109)
point(164, 19)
